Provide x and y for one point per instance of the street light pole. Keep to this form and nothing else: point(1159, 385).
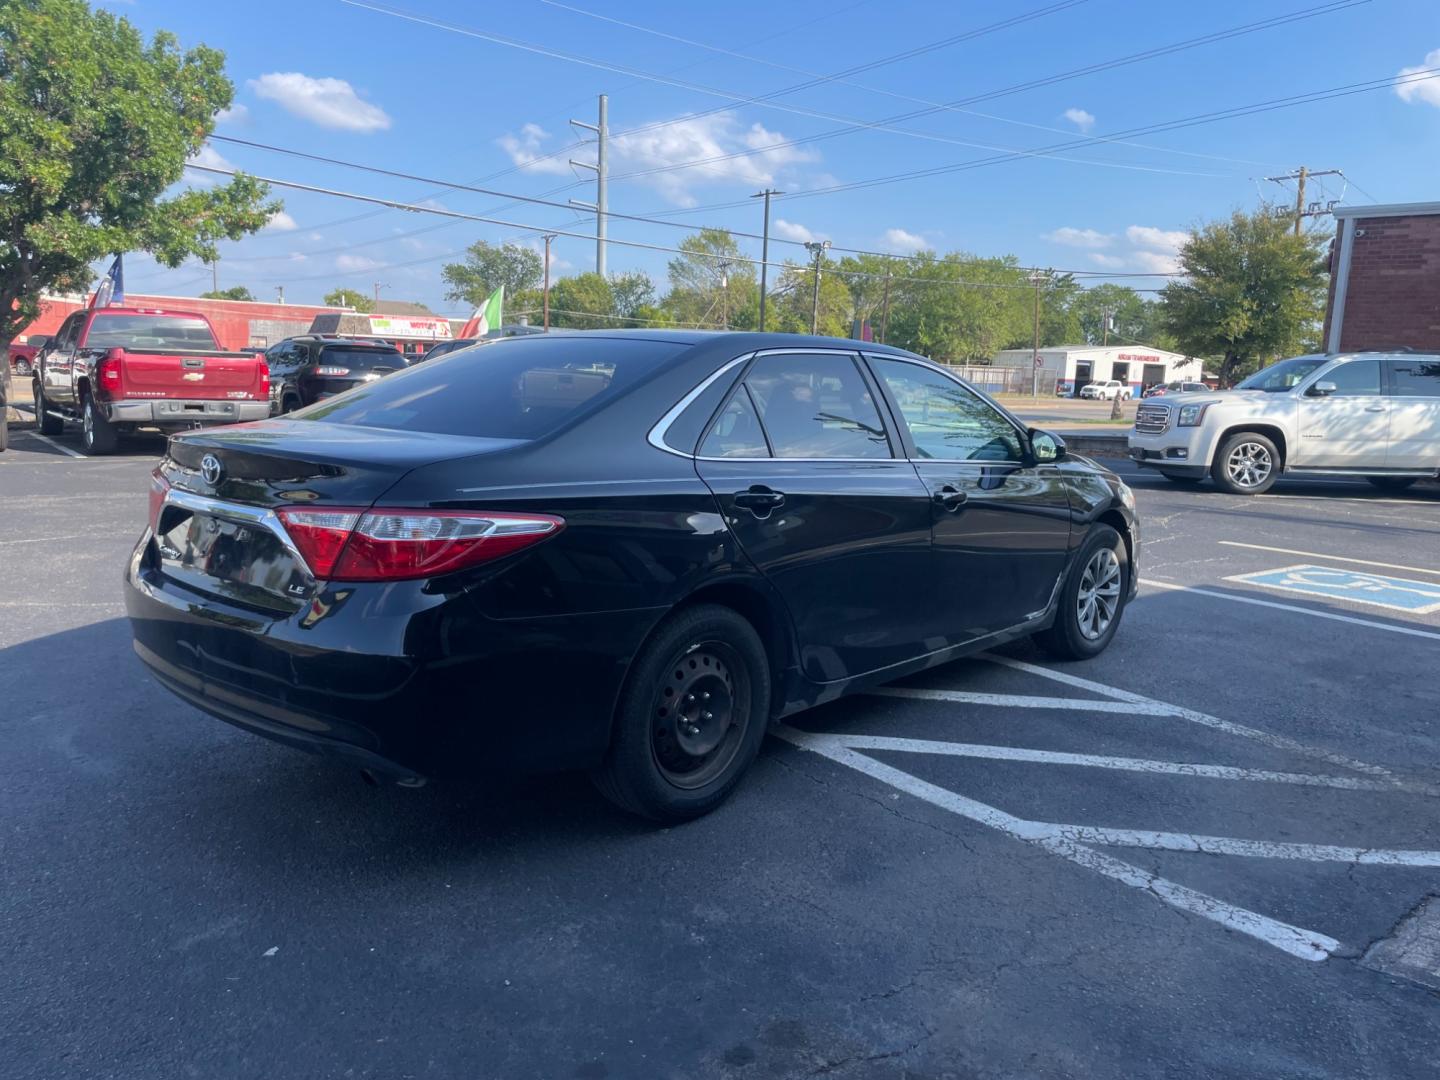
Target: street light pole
point(546, 303)
point(817, 249)
point(1037, 278)
point(765, 248)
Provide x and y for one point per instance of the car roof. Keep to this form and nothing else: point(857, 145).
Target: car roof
point(740, 340)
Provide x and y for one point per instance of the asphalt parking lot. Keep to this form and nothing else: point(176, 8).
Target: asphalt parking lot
point(1211, 852)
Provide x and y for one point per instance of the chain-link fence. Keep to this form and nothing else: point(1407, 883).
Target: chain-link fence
point(1006, 380)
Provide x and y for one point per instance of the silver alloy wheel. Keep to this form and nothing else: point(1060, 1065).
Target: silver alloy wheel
point(1249, 464)
point(1099, 597)
point(87, 419)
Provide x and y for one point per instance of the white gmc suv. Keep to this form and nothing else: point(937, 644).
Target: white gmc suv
point(1375, 415)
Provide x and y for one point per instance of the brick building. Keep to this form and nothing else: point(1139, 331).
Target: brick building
point(239, 324)
point(1385, 279)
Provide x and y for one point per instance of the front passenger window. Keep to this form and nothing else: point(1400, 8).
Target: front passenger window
point(947, 421)
point(1358, 378)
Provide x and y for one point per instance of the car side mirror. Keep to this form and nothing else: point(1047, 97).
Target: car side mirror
point(1323, 388)
point(1046, 448)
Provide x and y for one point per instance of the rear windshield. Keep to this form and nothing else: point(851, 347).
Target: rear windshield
point(359, 359)
point(149, 332)
point(522, 388)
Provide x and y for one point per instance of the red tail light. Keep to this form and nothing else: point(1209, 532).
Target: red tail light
point(264, 391)
point(159, 488)
point(351, 544)
point(110, 373)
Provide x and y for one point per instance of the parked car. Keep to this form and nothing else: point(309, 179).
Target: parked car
point(22, 353)
point(116, 369)
point(311, 368)
point(622, 551)
point(1375, 415)
point(1107, 391)
point(498, 334)
point(450, 346)
point(1161, 389)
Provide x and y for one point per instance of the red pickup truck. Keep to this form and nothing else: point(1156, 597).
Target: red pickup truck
point(116, 369)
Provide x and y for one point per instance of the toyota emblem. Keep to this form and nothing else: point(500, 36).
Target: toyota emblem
point(211, 469)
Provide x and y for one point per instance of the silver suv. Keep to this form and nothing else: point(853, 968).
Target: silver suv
point(1375, 415)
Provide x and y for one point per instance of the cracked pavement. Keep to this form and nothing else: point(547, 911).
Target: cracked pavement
point(179, 898)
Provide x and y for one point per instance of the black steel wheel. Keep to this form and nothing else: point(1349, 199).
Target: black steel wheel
point(691, 717)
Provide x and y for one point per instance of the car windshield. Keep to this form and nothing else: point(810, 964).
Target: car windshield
point(1286, 375)
point(523, 388)
point(164, 332)
point(360, 359)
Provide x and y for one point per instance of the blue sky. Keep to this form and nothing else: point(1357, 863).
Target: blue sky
point(344, 80)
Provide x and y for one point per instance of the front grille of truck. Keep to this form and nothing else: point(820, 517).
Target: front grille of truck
point(1152, 419)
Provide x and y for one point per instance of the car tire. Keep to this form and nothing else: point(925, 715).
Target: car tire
point(22, 368)
point(49, 425)
point(97, 435)
point(1176, 478)
point(289, 404)
point(1247, 463)
point(1392, 483)
point(1097, 585)
point(673, 755)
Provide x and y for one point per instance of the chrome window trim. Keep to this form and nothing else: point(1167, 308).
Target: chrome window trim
point(930, 365)
point(248, 515)
point(656, 437)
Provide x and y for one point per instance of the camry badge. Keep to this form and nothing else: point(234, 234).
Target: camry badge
point(211, 469)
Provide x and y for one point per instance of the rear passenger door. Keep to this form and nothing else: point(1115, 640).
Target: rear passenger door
point(817, 494)
point(1414, 413)
point(1001, 522)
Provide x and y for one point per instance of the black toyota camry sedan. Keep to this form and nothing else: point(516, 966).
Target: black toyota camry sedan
point(626, 552)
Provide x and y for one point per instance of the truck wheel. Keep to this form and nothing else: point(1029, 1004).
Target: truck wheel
point(1092, 600)
point(49, 425)
point(691, 717)
point(1392, 483)
point(98, 435)
point(1247, 463)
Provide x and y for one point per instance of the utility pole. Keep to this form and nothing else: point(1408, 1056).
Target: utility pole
point(725, 294)
point(767, 194)
point(214, 275)
point(378, 287)
point(1104, 327)
point(1037, 278)
point(549, 237)
point(1302, 209)
point(601, 169)
point(816, 248)
point(280, 294)
point(885, 308)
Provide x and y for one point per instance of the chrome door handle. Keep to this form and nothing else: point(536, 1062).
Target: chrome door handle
point(949, 498)
point(1374, 408)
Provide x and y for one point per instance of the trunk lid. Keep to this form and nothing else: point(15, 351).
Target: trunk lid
point(217, 531)
point(201, 375)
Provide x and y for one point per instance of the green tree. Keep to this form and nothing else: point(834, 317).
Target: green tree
point(865, 275)
point(1252, 290)
point(583, 302)
point(793, 302)
point(709, 283)
point(350, 298)
point(962, 308)
point(632, 294)
point(235, 292)
point(487, 267)
point(95, 126)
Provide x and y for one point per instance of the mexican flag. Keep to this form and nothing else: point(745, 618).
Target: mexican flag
point(486, 317)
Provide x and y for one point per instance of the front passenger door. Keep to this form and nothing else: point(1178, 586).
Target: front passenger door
point(804, 470)
point(1348, 428)
point(1001, 523)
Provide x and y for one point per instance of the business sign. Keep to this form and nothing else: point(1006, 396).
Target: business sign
point(1139, 358)
point(410, 326)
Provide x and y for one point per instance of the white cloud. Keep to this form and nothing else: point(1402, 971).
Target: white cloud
point(1155, 262)
point(1080, 118)
point(900, 240)
point(236, 114)
point(1423, 90)
point(280, 221)
point(330, 103)
point(298, 257)
point(1166, 240)
point(1110, 262)
point(789, 230)
point(315, 236)
point(210, 159)
point(525, 150)
point(355, 263)
point(1081, 238)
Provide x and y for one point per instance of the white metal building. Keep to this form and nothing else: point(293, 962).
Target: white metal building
point(1072, 366)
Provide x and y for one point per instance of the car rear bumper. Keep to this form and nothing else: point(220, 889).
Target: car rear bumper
point(395, 678)
point(185, 411)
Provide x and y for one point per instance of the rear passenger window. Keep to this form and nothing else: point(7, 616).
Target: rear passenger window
point(816, 405)
point(1415, 378)
point(1358, 378)
point(736, 432)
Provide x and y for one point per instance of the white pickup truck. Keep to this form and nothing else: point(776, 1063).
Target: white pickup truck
point(1107, 391)
point(1372, 415)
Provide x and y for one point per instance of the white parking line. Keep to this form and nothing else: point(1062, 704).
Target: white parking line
point(1407, 630)
point(1022, 701)
point(1328, 558)
point(51, 442)
point(1306, 944)
point(1231, 845)
point(1099, 761)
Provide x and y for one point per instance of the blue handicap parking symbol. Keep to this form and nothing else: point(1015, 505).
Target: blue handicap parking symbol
point(1359, 587)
